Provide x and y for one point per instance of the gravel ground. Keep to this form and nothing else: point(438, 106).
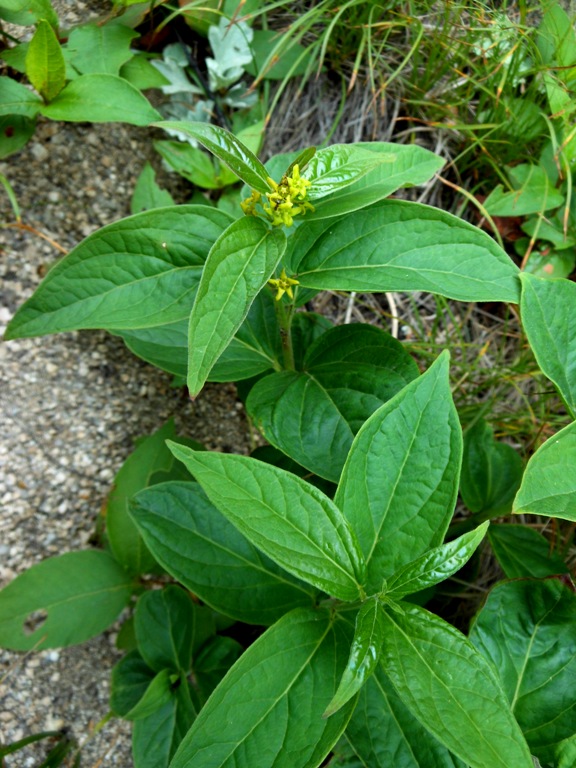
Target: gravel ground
point(72, 406)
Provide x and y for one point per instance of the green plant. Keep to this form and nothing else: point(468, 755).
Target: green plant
point(332, 540)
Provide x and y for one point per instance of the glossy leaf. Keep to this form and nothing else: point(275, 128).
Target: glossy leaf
point(45, 66)
point(226, 147)
point(435, 565)
point(16, 99)
point(101, 99)
point(549, 482)
point(312, 415)
point(130, 679)
point(395, 245)
point(156, 737)
point(491, 472)
point(150, 457)
point(100, 48)
point(164, 625)
point(364, 654)
point(204, 552)
point(411, 166)
point(523, 552)
point(550, 324)
point(335, 167)
point(384, 733)
point(291, 674)
point(237, 268)
point(527, 629)
point(139, 272)
point(147, 194)
point(451, 688)
point(292, 522)
point(399, 484)
point(213, 662)
point(62, 601)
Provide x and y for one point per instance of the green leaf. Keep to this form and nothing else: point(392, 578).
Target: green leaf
point(312, 415)
point(292, 63)
point(411, 166)
point(139, 272)
point(238, 266)
point(395, 245)
point(213, 662)
point(147, 193)
point(205, 553)
point(28, 12)
point(16, 99)
point(384, 734)
point(548, 318)
point(292, 522)
point(164, 624)
point(364, 654)
point(549, 482)
point(523, 552)
point(272, 700)
point(15, 131)
point(226, 147)
point(62, 601)
point(451, 689)
point(190, 162)
point(527, 629)
point(141, 73)
point(491, 472)
point(150, 457)
point(129, 681)
point(401, 507)
point(45, 66)
point(156, 696)
point(340, 165)
point(100, 49)
point(98, 98)
point(534, 193)
point(436, 565)
point(566, 753)
point(155, 738)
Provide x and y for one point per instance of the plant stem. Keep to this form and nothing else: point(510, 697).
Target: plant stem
point(284, 314)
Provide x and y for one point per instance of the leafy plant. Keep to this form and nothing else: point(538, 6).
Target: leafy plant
point(331, 557)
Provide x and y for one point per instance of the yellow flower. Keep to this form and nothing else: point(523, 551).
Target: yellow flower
point(283, 284)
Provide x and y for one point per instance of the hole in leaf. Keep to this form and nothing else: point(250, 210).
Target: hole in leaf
point(35, 621)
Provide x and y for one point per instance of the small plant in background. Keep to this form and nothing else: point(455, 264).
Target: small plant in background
point(328, 542)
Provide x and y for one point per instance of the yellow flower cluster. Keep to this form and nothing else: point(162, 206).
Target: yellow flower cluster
point(283, 285)
point(288, 199)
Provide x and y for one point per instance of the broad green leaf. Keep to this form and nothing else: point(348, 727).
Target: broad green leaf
point(412, 166)
point(15, 131)
point(436, 565)
point(164, 624)
point(395, 245)
point(45, 66)
point(523, 552)
point(155, 738)
point(556, 40)
point(16, 99)
point(156, 696)
point(147, 194)
point(28, 12)
point(226, 147)
point(272, 700)
point(384, 734)
point(550, 264)
point(292, 522)
point(312, 415)
point(364, 654)
point(335, 167)
point(491, 472)
point(549, 482)
point(527, 629)
point(63, 601)
point(141, 73)
point(565, 753)
point(129, 681)
point(451, 688)
point(399, 484)
point(100, 49)
point(204, 552)
point(151, 462)
point(139, 272)
point(98, 98)
point(213, 662)
point(292, 63)
point(237, 268)
point(534, 193)
point(190, 162)
point(550, 323)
